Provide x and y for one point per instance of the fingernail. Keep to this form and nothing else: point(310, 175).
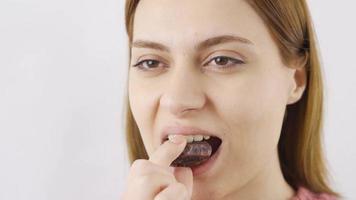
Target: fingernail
point(176, 139)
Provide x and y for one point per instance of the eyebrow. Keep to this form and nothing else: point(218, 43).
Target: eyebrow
point(202, 45)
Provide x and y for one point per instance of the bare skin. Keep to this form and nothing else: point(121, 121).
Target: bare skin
point(238, 89)
point(154, 179)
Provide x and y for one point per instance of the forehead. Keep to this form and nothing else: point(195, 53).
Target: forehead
point(178, 22)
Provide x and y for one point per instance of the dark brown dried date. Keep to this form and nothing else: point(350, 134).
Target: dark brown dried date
point(194, 154)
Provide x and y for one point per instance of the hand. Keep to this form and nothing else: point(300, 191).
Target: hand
point(153, 179)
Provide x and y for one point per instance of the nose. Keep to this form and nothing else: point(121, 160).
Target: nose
point(183, 92)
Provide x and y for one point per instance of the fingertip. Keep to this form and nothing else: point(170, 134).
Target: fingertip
point(169, 150)
point(177, 139)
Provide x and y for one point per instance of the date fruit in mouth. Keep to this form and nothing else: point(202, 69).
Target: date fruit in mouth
point(196, 153)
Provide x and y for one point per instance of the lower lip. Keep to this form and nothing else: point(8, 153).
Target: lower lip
point(201, 169)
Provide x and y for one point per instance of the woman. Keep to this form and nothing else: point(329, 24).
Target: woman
point(224, 101)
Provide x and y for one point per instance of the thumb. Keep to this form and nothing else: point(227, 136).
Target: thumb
point(184, 175)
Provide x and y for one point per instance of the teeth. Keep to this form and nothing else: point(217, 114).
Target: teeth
point(190, 138)
point(198, 138)
point(193, 138)
point(170, 137)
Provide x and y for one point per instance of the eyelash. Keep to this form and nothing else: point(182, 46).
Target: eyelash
point(227, 66)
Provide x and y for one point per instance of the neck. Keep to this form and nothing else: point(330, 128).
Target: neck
point(269, 183)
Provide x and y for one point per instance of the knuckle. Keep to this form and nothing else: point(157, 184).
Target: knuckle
point(144, 180)
point(162, 197)
point(139, 164)
point(141, 167)
point(176, 191)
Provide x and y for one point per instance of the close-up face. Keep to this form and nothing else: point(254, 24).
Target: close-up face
point(213, 65)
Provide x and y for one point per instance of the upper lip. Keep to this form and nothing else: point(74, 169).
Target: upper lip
point(184, 130)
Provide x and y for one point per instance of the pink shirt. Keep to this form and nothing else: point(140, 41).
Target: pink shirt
point(305, 194)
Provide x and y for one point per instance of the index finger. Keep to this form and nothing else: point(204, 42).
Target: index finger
point(169, 151)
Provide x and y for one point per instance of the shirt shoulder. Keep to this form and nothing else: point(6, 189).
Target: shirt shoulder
point(305, 194)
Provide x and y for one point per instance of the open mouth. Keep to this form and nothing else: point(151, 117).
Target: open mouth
point(197, 151)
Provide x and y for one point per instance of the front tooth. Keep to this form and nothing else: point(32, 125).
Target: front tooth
point(206, 137)
point(190, 138)
point(198, 138)
point(170, 137)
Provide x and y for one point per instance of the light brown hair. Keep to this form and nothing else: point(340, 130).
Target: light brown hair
point(300, 146)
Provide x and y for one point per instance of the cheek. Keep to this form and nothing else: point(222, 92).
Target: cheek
point(253, 100)
point(254, 113)
point(142, 104)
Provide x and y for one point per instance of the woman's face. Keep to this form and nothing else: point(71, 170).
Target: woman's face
point(212, 65)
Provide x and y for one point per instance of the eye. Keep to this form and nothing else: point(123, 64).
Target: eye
point(148, 64)
point(225, 61)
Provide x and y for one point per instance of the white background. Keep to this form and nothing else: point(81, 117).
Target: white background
point(63, 67)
